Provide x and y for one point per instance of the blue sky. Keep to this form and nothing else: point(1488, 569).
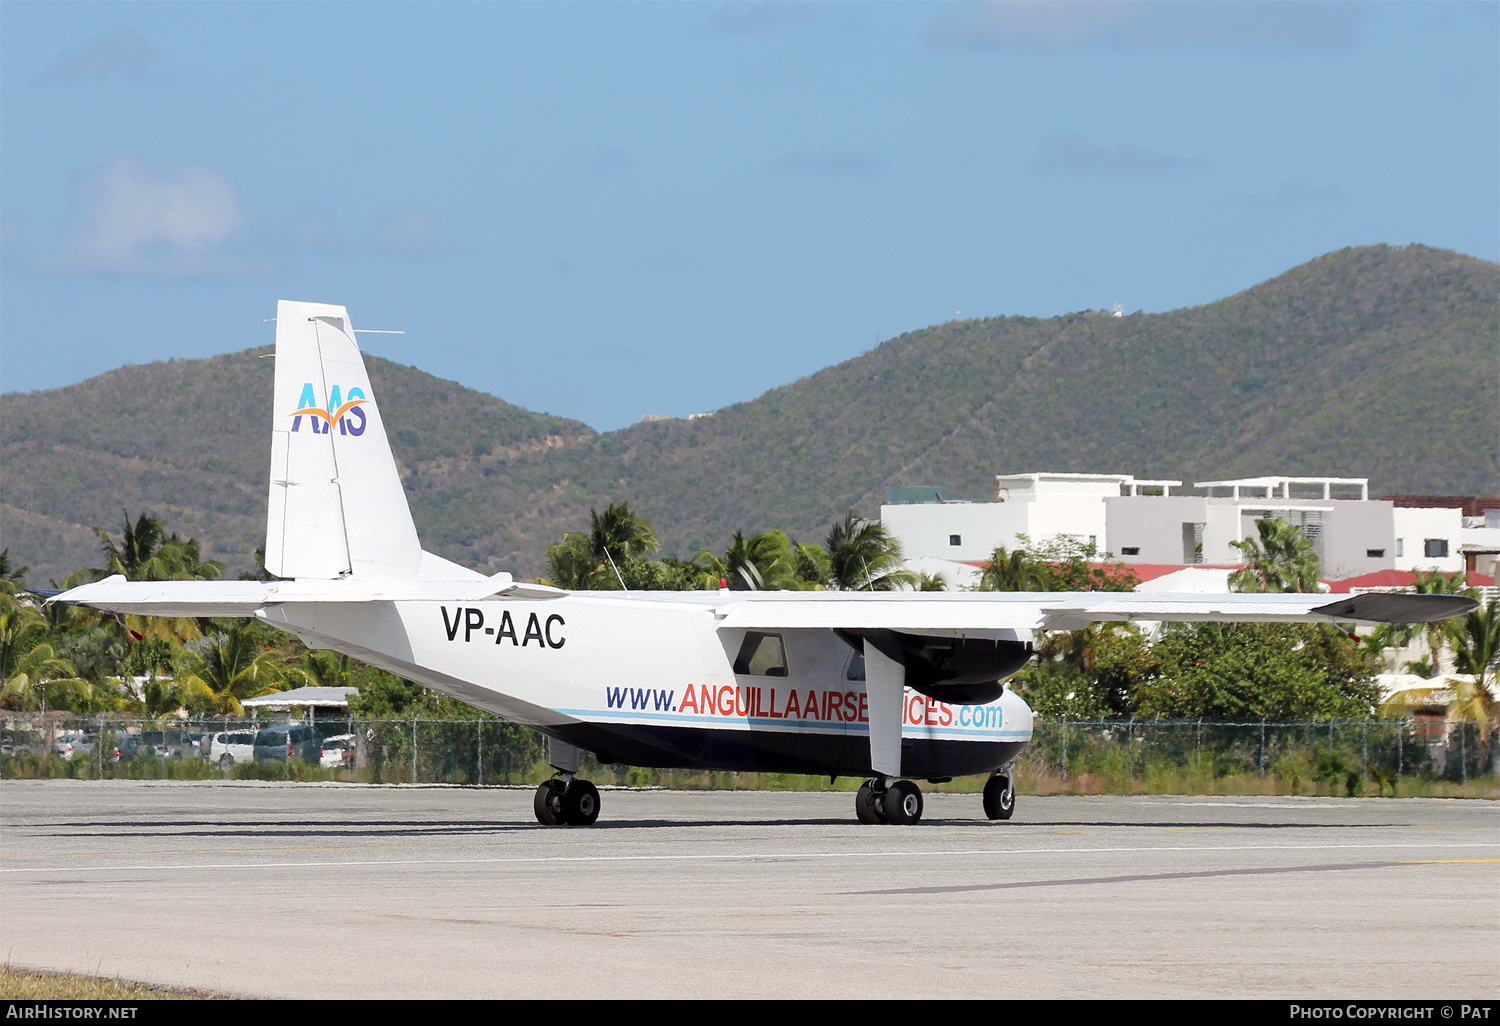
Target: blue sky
point(608, 210)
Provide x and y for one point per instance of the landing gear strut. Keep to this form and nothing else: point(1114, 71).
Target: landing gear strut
point(567, 800)
point(898, 802)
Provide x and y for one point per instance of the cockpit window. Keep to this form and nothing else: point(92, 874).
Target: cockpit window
point(761, 655)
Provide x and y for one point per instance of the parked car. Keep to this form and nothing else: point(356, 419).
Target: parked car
point(337, 752)
point(123, 747)
point(18, 742)
point(74, 744)
point(174, 744)
point(280, 743)
point(229, 748)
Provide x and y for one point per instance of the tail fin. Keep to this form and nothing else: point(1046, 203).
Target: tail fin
point(337, 506)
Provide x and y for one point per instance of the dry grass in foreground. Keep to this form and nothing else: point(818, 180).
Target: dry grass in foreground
point(18, 984)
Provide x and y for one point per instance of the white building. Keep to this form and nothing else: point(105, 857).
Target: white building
point(1156, 522)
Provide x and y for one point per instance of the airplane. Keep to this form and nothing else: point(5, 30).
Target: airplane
point(889, 686)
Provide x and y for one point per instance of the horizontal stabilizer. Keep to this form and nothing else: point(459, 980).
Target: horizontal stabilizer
point(243, 598)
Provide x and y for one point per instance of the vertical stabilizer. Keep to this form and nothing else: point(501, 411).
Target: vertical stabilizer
point(337, 507)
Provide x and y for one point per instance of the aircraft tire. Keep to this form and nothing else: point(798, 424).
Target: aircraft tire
point(548, 803)
point(864, 803)
point(580, 803)
point(999, 799)
point(226, 765)
point(903, 803)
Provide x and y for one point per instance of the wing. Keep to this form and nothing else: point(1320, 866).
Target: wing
point(951, 614)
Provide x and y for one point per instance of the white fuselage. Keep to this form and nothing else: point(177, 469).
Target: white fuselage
point(649, 679)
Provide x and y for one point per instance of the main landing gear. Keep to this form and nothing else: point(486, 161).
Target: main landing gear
point(566, 799)
point(898, 802)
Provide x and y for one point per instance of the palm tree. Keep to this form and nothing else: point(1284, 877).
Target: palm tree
point(571, 563)
point(12, 577)
point(147, 553)
point(766, 562)
point(862, 556)
point(1282, 560)
point(617, 534)
point(932, 582)
point(1010, 571)
point(1438, 633)
point(233, 666)
point(1476, 649)
point(31, 671)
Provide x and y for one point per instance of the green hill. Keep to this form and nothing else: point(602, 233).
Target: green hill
point(1379, 362)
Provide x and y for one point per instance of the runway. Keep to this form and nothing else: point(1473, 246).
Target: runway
point(345, 891)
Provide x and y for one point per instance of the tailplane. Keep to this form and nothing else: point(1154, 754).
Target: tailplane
point(337, 506)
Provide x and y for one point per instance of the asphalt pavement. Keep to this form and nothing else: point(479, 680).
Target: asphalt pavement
point(349, 891)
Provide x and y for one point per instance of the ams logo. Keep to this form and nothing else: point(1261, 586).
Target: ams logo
point(547, 634)
point(343, 410)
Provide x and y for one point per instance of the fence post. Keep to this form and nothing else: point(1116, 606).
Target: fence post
point(1400, 747)
point(1365, 741)
point(1463, 752)
point(1130, 753)
point(1065, 748)
point(1262, 748)
point(414, 750)
point(479, 770)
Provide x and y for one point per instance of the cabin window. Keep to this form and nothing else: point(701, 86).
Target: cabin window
point(856, 667)
point(761, 655)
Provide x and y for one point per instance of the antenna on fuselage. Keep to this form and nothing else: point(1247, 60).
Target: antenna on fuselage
point(615, 568)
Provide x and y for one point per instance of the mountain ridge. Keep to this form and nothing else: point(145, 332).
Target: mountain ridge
point(1377, 361)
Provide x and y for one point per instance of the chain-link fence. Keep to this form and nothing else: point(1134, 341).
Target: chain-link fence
point(1347, 756)
point(1342, 756)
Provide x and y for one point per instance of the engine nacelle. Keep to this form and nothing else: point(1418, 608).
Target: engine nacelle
point(960, 671)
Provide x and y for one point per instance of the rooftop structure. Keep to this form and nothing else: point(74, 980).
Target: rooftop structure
point(1288, 488)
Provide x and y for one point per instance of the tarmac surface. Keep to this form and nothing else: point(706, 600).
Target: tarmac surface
point(349, 891)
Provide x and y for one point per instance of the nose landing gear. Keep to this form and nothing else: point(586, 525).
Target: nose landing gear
point(999, 796)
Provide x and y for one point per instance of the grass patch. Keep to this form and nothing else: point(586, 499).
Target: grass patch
point(18, 984)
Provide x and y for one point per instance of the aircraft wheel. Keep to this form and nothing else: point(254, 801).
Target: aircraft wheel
point(999, 798)
point(864, 803)
point(226, 764)
point(580, 803)
point(903, 803)
point(548, 803)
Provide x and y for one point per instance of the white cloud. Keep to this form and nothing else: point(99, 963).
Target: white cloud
point(411, 232)
point(672, 261)
point(746, 19)
point(828, 164)
point(1050, 26)
point(1068, 153)
point(120, 53)
point(1296, 193)
point(600, 160)
point(178, 220)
